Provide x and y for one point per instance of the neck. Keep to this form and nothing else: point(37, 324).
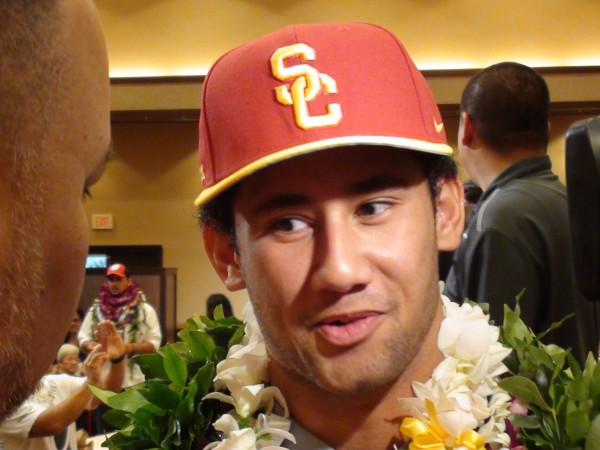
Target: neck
point(493, 164)
point(359, 420)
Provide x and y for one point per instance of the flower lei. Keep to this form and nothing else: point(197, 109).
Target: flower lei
point(129, 314)
point(459, 407)
point(244, 373)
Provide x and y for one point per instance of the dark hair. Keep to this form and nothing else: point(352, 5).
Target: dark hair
point(215, 300)
point(218, 212)
point(509, 104)
point(472, 192)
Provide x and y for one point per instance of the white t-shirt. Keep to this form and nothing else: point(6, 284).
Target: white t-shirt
point(53, 389)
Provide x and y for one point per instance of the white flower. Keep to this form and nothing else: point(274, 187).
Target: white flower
point(269, 432)
point(238, 440)
point(251, 329)
point(465, 332)
point(248, 399)
point(462, 392)
point(246, 365)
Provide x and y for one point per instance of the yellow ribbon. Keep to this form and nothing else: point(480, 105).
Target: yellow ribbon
point(433, 437)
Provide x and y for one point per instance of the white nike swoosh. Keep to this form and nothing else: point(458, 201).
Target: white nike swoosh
point(438, 126)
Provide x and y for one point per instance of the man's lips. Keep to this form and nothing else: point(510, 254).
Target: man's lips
point(349, 329)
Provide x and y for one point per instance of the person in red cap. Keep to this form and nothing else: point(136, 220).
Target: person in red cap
point(123, 302)
point(328, 190)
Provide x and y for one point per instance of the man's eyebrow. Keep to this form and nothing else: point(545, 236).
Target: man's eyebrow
point(279, 201)
point(372, 184)
point(378, 183)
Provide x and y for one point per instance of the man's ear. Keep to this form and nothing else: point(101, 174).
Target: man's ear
point(450, 214)
point(223, 257)
point(467, 127)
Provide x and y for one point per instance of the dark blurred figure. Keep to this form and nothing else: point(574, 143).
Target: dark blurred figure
point(215, 300)
point(72, 333)
point(472, 196)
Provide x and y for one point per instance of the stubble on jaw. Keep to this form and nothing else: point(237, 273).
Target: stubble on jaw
point(22, 284)
point(377, 374)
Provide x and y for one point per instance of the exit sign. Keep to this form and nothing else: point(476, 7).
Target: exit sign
point(102, 221)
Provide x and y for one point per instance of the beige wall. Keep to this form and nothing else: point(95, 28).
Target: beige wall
point(178, 37)
point(149, 187)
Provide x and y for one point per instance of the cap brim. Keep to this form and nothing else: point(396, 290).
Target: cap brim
point(346, 141)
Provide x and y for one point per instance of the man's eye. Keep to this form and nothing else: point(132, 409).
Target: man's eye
point(87, 193)
point(372, 208)
point(288, 224)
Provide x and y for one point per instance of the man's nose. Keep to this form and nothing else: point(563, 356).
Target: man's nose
point(341, 262)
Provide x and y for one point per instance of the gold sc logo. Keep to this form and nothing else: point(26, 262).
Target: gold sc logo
point(307, 84)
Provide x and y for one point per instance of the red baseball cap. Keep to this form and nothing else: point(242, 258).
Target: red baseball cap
point(307, 88)
point(117, 269)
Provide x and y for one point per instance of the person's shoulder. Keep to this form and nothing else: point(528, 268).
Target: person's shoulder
point(143, 300)
point(523, 197)
point(502, 212)
point(147, 306)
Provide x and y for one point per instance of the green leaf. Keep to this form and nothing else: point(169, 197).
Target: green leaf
point(121, 441)
point(595, 381)
point(175, 366)
point(592, 441)
point(574, 366)
point(523, 421)
point(512, 362)
point(578, 423)
point(128, 400)
point(102, 395)
point(162, 396)
point(237, 337)
point(513, 326)
point(203, 378)
point(221, 335)
point(525, 390)
point(152, 365)
point(543, 380)
point(117, 418)
point(218, 312)
point(172, 437)
point(577, 390)
point(150, 423)
point(219, 354)
point(186, 407)
point(539, 356)
point(201, 345)
point(555, 325)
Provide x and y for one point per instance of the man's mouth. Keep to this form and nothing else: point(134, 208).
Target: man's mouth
point(349, 329)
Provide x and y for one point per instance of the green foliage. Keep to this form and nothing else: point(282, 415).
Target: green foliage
point(167, 411)
point(563, 399)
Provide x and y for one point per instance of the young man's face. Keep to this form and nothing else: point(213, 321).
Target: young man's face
point(338, 252)
point(118, 285)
